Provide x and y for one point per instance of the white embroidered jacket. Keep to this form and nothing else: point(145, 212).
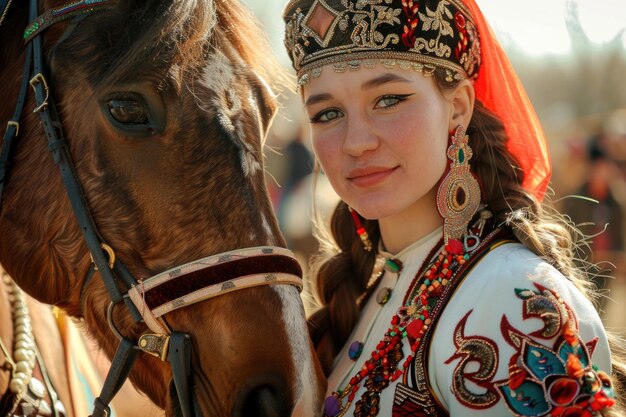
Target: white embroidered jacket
point(510, 305)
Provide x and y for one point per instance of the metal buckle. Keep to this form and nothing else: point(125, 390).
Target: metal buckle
point(39, 78)
point(12, 123)
point(155, 344)
point(109, 250)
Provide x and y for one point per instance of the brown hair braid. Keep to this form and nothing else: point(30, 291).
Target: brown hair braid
point(341, 279)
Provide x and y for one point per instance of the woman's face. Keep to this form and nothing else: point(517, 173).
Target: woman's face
point(381, 137)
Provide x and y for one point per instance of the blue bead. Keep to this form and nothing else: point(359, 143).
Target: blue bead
point(355, 350)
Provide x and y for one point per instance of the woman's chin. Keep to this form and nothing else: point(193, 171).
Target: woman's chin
point(371, 212)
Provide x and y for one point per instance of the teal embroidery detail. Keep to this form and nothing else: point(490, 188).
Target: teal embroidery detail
point(526, 400)
point(541, 362)
point(558, 381)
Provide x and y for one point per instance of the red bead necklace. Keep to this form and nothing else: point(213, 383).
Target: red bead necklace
point(410, 322)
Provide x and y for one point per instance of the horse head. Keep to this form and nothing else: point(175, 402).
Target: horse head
point(163, 107)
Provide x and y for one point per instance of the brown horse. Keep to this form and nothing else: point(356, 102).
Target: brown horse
point(164, 108)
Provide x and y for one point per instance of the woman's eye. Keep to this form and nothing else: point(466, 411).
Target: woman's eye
point(326, 116)
point(128, 111)
point(389, 101)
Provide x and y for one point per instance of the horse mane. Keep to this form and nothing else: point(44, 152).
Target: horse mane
point(200, 27)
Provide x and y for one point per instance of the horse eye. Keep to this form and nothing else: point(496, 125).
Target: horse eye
point(128, 111)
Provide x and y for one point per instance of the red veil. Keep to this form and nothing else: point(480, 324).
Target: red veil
point(501, 91)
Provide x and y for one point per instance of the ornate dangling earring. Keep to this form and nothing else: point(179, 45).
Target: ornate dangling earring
point(458, 197)
point(360, 230)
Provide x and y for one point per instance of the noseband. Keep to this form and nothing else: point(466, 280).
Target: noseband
point(146, 300)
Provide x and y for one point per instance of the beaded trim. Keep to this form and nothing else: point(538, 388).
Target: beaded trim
point(52, 16)
point(431, 33)
point(423, 399)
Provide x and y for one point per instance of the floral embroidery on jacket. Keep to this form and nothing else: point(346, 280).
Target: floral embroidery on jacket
point(557, 381)
point(560, 381)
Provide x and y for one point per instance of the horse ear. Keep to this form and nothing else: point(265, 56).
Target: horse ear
point(267, 100)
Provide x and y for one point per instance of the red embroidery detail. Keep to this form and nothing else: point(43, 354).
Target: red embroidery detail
point(517, 375)
point(546, 307)
point(569, 334)
point(410, 9)
point(474, 349)
point(461, 47)
point(591, 345)
point(410, 403)
point(511, 335)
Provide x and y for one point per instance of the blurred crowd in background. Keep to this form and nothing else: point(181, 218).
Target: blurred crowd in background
point(580, 97)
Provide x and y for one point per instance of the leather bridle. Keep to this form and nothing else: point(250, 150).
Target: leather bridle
point(148, 300)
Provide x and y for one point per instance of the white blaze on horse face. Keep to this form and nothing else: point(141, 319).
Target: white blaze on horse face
point(296, 329)
point(266, 227)
point(218, 76)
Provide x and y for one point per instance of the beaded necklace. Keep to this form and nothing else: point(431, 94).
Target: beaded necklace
point(24, 343)
point(28, 392)
point(410, 322)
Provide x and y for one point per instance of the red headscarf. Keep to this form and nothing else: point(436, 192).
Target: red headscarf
point(501, 91)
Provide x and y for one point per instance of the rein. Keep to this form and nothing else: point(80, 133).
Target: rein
point(146, 300)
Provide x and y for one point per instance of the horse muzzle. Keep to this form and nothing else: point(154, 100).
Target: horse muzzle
point(266, 398)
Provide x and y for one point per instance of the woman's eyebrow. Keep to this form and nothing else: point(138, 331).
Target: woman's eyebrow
point(317, 98)
point(383, 79)
point(374, 82)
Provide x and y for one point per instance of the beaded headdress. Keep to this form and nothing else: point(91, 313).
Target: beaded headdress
point(422, 35)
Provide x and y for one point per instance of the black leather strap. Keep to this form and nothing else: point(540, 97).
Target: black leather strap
point(179, 357)
point(120, 368)
point(60, 153)
point(13, 124)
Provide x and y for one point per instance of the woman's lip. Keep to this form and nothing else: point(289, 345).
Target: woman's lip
point(369, 176)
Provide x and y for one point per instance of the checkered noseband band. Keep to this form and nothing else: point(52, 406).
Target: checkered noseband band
point(419, 34)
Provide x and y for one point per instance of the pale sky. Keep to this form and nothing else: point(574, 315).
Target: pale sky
point(537, 27)
point(526, 23)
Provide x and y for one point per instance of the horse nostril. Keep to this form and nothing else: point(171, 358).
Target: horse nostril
point(264, 401)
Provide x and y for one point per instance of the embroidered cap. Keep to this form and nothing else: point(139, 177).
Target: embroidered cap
point(419, 34)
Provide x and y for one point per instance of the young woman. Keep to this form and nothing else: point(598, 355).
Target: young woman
point(425, 132)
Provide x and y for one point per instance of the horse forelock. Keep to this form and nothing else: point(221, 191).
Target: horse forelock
point(158, 36)
point(150, 37)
